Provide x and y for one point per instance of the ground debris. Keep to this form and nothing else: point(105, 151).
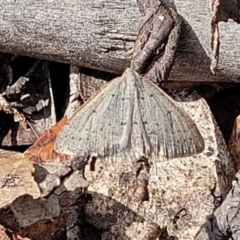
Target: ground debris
point(224, 222)
point(182, 191)
point(16, 177)
point(194, 185)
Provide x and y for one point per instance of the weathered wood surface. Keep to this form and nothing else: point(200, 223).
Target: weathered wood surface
point(224, 222)
point(101, 34)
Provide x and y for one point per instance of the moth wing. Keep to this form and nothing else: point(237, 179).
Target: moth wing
point(171, 131)
point(103, 124)
point(130, 115)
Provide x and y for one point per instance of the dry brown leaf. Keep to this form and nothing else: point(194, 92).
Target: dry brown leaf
point(52, 166)
point(51, 163)
point(43, 148)
point(15, 177)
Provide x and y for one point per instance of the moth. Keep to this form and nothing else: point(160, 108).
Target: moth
point(128, 119)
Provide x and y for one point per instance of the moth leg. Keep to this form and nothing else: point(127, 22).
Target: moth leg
point(142, 175)
point(156, 43)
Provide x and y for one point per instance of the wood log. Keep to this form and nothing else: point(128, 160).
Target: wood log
point(100, 35)
point(97, 34)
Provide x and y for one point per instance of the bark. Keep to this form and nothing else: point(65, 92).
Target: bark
point(75, 216)
point(224, 223)
point(101, 34)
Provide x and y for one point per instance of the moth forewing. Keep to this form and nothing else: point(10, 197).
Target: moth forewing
point(71, 133)
point(168, 126)
point(103, 124)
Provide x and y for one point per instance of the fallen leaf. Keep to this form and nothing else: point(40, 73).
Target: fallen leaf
point(15, 177)
point(47, 175)
point(43, 148)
